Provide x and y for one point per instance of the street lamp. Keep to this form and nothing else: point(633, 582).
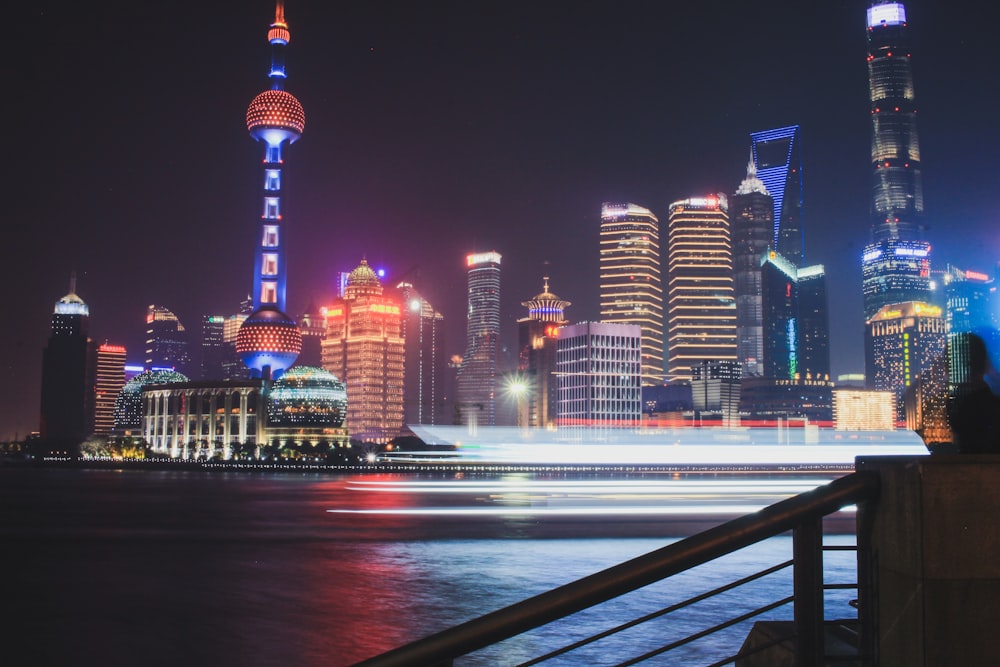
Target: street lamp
point(517, 389)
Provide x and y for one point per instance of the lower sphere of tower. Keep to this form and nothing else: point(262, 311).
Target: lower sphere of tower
point(268, 339)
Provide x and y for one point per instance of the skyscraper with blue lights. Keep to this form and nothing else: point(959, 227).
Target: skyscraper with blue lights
point(777, 157)
point(896, 264)
point(269, 341)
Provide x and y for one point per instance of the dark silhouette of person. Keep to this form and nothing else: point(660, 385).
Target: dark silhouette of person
point(974, 410)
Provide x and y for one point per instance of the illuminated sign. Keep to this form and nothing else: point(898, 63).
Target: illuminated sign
point(552, 331)
point(927, 309)
point(871, 255)
point(382, 308)
point(483, 258)
point(893, 13)
point(912, 252)
point(112, 348)
point(975, 275)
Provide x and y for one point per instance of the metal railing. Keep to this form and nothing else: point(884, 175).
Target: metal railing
point(802, 514)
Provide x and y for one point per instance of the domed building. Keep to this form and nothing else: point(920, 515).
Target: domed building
point(364, 346)
point(128, 404)
point(307, 406)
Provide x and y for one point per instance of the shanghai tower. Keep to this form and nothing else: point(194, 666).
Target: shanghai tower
point(896, 263)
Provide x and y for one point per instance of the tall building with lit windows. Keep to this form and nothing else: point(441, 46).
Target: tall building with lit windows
point(631, 289)
point(109, 379)
point(896, 263)
point(477, 374)
point(701, 305)
point(751, 216)
point(364, 348)
point(537, 338)
point(904, 342)
point(269, 341)
point(777, 156)
point(423, 336)
point(167, 342)
point(67, 401)
point(598, 365)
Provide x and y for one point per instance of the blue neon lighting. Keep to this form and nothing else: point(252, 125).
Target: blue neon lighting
point(775, 177)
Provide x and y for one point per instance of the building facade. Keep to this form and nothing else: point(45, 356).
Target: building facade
point(537, 339)
point(477, 374)
point(108, 382)
point(701, 305)
point(751, 221)
point(905, 342)
point(777, 156)
point(599, 366)
point(424, 365)
point(364, 347)
point(167, 341)
point(68, 360)
point(715, 392)
point(631, 289)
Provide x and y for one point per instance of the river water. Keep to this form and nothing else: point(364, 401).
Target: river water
point(144, 567)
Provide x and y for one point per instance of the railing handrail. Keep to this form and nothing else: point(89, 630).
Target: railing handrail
point(631, 575)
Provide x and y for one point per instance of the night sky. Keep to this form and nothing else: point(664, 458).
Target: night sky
point(434, 129)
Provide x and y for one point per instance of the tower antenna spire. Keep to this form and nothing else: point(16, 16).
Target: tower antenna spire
point(279, 13)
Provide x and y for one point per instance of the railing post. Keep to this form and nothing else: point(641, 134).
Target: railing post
point(807, 551)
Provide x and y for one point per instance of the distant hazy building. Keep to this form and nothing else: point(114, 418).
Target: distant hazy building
point(777, 156)
point(67, 401)
point(631, 290)
point(904, 341)
point(425, 362)
point(864, 410)
point(971, 302)
point(166, 341)
point(128, 404)
point(538, 336)
point(751, 221)
point(108, 382)
point(796, 325)
point(701, 306)
point(768, 401)
point(599, 369)
point(477, 375)
point(312, 325)
point(364, 348)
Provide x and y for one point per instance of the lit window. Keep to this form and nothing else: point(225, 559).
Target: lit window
point(270, 239)
point(271, 208)
point(272, 180)
point(268, 292)
point(269, 265)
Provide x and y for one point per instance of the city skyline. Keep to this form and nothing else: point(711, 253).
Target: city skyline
point(437, 131)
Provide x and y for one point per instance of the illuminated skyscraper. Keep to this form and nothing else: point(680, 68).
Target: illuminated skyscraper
point(364, 348)
point(701, 308)
point(269, 341)
point(477, 376)
point(423, 336)
point(751, 215)
point(598, 365)
point(905, 341)
point(109, 380)
point(795, 322)
point(67, 408)
point(537, 337)
point(896, 264)
point(631, 290)
point(166, 341)
point(777, 155)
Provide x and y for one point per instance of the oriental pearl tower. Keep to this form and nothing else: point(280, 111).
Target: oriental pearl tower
point(269, 341)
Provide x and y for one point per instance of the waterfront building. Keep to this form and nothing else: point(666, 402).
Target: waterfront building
point(777, 157)
point(108, 382)
point(537, 338)
point(167, 344)
point(269, 341)
point(631, 290)
point(128, 404)
point(751, 215)
point(896, 264)
point(970, 308)
point(67, 401)
point(424, 364)
point(477, 375)
point(599, 368)
point(306, 409)
point(715, 392)
point(903, 342)
point(796, 325)
point(864, 410)
point(768, 401)
point(701, 306)
point(364, 347)
point(214, 351)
